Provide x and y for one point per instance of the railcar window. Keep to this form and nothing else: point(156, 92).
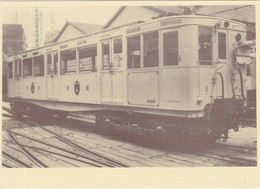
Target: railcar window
point(18, 68)
point(49, 64)
point(170, 48)
point(38, 66)
point(205, 46)
point(27, 67)
point(56, 63)
point(10, 70)
point(222, 46)
point(133, 52)
point(118, 56)
point(68, 61)
point(151, 54)
point(87, 58)
point(105, 55)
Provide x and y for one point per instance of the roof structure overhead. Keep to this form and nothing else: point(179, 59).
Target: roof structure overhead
point(125, 14)
point(76, 29)
point(245, 13)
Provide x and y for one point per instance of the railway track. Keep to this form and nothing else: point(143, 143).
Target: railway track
point(66, 145)
point(74, 152)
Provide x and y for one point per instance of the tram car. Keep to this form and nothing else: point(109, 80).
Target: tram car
point(176, 75)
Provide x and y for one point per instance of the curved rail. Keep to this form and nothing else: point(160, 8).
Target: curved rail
point(23, 150)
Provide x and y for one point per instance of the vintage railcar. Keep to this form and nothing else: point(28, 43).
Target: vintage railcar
point(172, 75)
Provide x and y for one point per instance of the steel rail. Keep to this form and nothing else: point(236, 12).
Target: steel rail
point(70, 143)
point(69, 157)
point(15, 160)
point(7, 166)
point(109, 164)
point(23, 150)
point(59, 148)
point(67, 141)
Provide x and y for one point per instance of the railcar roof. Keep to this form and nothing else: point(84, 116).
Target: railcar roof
point(132, 24)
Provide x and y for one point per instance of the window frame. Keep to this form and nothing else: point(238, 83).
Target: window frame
point(93, 68)
point(141, 35)
point(33, 60)
point(66, 64)
point(32, 68)
point(109, 41)
point(141, 50)
point(162, 47)
point(113, 39)
point(212, 46)
point(52, 54)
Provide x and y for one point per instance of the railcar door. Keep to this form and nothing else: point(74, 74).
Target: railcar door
point(17, 78)
point(112, 74)
point(52, 76)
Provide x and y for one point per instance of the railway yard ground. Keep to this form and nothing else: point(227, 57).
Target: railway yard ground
point(72, 142)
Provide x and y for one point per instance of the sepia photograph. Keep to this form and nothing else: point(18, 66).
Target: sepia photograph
point(157, 91)
point(139, 86)
point(162, 92)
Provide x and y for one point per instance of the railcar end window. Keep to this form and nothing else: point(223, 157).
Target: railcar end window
point(151, 53)
point(133, 52)
point(205, 46)
point(10, 70)
point(38, 66)
point(170, 48)
point(87, 58)
point(105, 55)
point(222, 48)
point(27, 67)
point(68, 61)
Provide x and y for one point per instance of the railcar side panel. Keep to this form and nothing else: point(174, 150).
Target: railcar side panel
point(117, 87)
point(172, 91)
point(28, 87)
point(106, 86)
point(52, 87)
point(39, 88)
point(143, 88)
point(89, 88)
point(18, 87)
